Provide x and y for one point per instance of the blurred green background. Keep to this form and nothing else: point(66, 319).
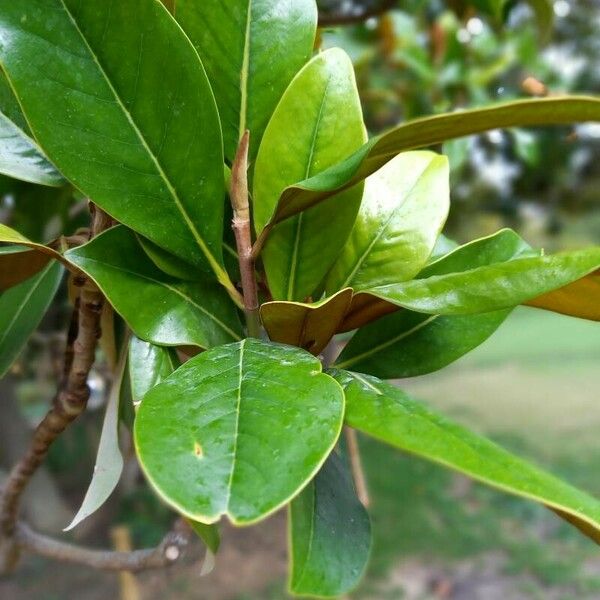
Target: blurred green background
point(534, 386)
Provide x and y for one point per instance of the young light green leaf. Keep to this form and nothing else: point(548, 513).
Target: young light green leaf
point(140, 136)
point(317, 122)
point(388, 414)
point(157, 307)
point(427, 131)
point(21, 310)
point(148, 366)
point(407, 343)
point(238, 430)
point(494, 287)
point(403, 210)
point(21, 158)
point(329, 534)
point(251, 50)
point(109, 460)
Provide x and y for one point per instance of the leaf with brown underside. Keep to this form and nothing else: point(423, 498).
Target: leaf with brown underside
point(308, 326)
point(18, 262)
point(579, 299)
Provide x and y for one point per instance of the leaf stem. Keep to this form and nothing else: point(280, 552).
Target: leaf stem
point(243, 235)
point(358, 474)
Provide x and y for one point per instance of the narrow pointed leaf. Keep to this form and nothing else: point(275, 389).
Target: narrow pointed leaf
point(329, 533)
point(502, 246)
point(388, 414)
point(493, 287)
point(21, 157)
point(578, 299)
point(420, 133)
point(109, 460)
point(308, 326)
point(403, 210)
point(21, 310)
point(148, 365)
point(407, 343)
point(118, 99)
point(157, 307)
point(317, 123)
point(238, 430)
point(251, 50)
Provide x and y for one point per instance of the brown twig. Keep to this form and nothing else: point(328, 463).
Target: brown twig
point(358, 474)
point(242, 229)
point(335, 19)
point(168, 552)
point(69, 402)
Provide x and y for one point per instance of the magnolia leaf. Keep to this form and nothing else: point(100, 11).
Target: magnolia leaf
point(407, 343)
point(308, 326)
point(21, 157)
point(317, 123)
point(428, 131)
point(140, 136)
point(22, 260)
point(167, 262)
point(578, 299)
point(109, 460)
point(148, 366)
point(251, 50)
point(238, 430)
point(403, 210)
point(388, 414)
point(157, 307)
point(492, 287)
point(330, 534)
point(21, 310)
point(502, 246)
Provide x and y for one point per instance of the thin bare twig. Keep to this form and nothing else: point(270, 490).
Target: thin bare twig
point(350, 18)
point(242, 229)
point(168, 552)
point(358, 474)
point(69, 402)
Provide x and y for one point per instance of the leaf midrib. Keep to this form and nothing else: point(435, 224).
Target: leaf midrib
point(219, 271)
point(173, 289)
point(382, 229)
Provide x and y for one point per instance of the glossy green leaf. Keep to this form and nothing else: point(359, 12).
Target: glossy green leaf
point(109, 460)
point(502, 246)
point(18, 262)
point(308, 326)
point(388, 414)
point(157, 307)
point(420, 133)
point(493, 287)
point(21, 158)
point(238, 430)
point(209, 534)
point(148, 366)
point(117, 97)
point(407, 343)
point(9, 106)
point(403, 210)
point(21, 310)
point(317, 123)
point(251, 50)
point(329, 534)
point(168, 263)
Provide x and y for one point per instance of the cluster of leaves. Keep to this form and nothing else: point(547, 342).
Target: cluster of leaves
point(142, 112)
